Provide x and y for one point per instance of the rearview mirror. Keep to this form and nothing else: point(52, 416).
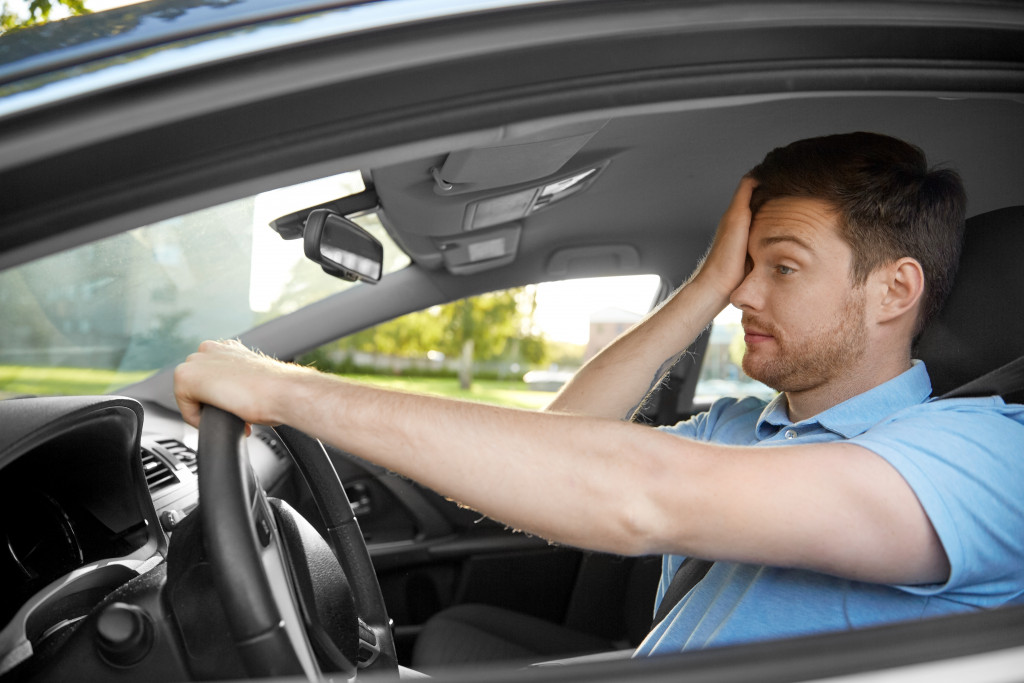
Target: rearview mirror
point(342, 248)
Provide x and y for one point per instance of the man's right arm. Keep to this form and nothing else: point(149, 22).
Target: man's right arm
point(615, 382)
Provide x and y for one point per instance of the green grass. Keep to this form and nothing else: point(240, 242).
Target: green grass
point(20, 379)
point(511, 393)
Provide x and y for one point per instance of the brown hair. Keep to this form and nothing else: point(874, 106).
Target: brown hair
point(889, 203)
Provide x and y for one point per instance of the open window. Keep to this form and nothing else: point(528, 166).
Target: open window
point(513, 347)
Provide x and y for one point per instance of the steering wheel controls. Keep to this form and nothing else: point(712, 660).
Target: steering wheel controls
point(263, 530)
point(124, 634)
point(170, 519)
point(369, 649)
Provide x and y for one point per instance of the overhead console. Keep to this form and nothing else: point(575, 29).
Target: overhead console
point(519, 204)
point(466, 211)
point(512, 161)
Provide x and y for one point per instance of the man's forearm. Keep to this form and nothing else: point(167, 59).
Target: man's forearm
point(495, 460)
point(575, 480)
point(615, 383)
point(617, 380)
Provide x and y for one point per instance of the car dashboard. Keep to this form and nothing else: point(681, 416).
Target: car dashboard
point(90, 491)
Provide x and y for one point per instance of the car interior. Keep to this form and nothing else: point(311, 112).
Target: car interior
point(619, 183)
point(613, 196)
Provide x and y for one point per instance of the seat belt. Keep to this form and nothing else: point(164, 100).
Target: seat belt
point(689, 574)
point(1006, 381)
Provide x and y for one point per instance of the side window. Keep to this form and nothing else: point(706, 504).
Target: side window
point(721, 372)
point(513, 347)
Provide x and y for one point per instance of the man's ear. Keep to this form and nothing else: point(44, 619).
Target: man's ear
point(901, 286)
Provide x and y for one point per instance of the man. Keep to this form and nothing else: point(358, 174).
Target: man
point(848, 500)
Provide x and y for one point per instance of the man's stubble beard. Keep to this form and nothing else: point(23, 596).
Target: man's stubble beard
point(799, 365)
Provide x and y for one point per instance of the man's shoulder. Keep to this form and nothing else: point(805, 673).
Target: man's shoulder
point(941, 424)
point(962, 459)
point(943, 432)
point(948, 413)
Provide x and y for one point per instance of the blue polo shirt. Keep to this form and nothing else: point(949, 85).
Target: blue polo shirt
point(962, 457)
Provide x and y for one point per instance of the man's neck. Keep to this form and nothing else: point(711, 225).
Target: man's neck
point(805, 404)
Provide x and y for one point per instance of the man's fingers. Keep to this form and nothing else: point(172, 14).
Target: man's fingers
point(726, 262)
point(188, 406)
point(739, 207)
point(232, 377)
point(741, 197)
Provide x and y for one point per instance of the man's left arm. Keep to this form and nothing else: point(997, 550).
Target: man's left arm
point(599, 483)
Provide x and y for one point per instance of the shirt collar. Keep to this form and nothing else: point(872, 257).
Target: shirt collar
point(858, 414)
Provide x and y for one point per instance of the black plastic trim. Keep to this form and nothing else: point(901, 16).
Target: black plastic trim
point(290, 226)
point(929, 641)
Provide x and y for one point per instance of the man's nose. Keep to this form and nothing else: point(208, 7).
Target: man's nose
point(747, 297)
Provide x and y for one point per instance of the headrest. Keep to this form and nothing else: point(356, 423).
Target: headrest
point(981, 326)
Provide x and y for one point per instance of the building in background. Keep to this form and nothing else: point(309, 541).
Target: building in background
point(605, 325)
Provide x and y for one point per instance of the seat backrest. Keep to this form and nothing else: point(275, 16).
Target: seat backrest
point(981, 326)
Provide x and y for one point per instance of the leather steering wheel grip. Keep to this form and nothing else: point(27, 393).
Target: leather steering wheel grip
point(235, 518)
point(346, 540)
point(226, 494)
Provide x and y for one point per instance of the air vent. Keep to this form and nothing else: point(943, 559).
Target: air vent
point(164, 461)
point(179, 452)
point(269, 437)
point(158, 473)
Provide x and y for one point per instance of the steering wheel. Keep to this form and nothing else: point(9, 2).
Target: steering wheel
point(271, 569)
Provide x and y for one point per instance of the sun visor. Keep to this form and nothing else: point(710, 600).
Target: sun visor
point(511, 162)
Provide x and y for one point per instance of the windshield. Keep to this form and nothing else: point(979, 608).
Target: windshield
point(109, 313)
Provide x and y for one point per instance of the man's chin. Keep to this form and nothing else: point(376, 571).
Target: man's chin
point(763, 373)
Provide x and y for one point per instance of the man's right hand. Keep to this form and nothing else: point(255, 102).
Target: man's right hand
point(726, 263)
point(614, 383)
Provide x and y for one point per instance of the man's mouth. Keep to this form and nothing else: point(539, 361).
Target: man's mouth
point(754, 333)
point(755, 337)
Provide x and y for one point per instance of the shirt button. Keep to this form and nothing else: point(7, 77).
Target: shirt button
point(790, 433)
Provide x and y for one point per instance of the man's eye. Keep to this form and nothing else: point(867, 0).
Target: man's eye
point(784, 270)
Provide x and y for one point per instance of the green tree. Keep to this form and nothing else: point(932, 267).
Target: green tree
point(478, 329)
point(488, 326)
point(485, 327)
point(737, 347)
point(411, 335)
point(39, 12)
point(564, 353)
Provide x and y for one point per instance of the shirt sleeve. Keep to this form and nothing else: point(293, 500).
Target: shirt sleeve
point(963, 460)
point(729, 420)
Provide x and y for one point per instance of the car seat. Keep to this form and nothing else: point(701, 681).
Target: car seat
point(980, 327)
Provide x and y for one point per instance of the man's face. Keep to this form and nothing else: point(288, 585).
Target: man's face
point(803, 320)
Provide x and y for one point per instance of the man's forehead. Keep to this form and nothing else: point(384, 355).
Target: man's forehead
point(803, 221)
